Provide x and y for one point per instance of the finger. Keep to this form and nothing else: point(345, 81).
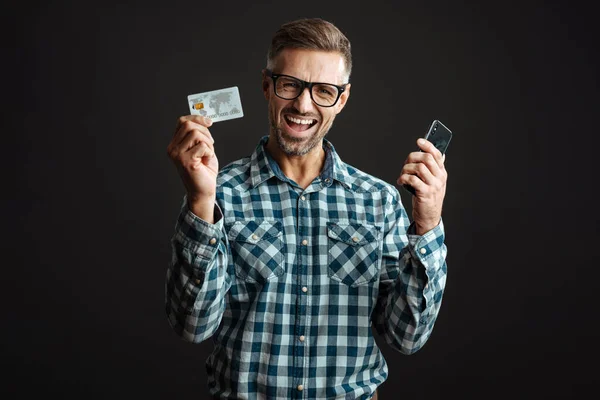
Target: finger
point(428, 147)
point(428, 159)
point(199, 119)
point(186, 128)
point(199, 152)
point(420, 170)
point(192, 139)
point(414, 181)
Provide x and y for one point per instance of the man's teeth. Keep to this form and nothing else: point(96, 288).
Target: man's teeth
point(300, 121)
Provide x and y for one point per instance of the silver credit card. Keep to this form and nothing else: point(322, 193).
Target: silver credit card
point(218, 105)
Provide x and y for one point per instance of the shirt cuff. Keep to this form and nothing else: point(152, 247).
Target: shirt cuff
point(197, 235)
point(428, 245)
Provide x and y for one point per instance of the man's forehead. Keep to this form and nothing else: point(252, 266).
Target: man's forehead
point(311, 65)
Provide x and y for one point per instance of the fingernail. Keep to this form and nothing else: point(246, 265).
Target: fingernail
point(421, 141)
point(208, 121)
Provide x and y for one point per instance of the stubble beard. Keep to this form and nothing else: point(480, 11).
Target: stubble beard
point(293, 146)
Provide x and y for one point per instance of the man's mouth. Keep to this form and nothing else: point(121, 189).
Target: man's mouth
point(298, 124)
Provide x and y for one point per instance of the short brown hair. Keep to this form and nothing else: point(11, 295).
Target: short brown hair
point(310, 34)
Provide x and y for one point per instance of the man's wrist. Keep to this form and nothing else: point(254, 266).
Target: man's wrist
point(421, 229)
point(203, 209)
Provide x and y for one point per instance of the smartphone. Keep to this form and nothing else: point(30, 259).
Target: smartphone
point(439, 135)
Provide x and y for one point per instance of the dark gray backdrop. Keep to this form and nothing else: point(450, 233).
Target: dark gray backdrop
point(90, 99)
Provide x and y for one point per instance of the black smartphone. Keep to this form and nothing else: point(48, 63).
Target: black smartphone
point(439, 135)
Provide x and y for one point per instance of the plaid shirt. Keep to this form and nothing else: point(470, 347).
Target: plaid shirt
point(289, 281)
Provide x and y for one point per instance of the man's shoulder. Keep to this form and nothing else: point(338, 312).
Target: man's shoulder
point(362, 181)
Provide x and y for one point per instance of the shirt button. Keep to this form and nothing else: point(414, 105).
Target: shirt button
point(423, 250)
point(305, 289)
point(197, 281)
point(300, 388)
point(213, 241)
point(355, 239)
point(302, 338)
point(305, 242)
point(255, 236)
point(303, 198)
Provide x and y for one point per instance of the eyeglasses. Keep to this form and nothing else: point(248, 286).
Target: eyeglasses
point(289, 88)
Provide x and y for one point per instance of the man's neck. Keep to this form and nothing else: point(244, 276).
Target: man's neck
point(301, 169)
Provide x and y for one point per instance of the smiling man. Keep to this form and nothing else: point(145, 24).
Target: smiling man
point(289, 257)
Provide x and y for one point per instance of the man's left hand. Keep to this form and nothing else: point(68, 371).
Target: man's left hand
point(426, 173)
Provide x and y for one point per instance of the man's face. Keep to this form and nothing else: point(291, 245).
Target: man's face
point(299, 125)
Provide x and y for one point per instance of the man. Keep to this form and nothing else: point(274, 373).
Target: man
point(287, 257)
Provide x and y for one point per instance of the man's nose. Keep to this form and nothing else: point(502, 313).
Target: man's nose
point(304, 103)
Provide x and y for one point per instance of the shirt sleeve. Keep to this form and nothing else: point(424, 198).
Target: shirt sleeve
point(412, 281)
point(197, 280)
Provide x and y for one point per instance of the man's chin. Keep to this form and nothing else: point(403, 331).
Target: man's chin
point(294, 145)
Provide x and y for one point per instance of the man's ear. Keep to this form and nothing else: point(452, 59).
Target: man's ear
point(265, 85)
point(343, 99)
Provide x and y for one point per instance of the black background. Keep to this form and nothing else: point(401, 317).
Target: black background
point(91, 95)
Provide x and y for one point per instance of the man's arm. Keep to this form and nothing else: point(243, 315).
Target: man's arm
point(412, 281)
point(197, 280)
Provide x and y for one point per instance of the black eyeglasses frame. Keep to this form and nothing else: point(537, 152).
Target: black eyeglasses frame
point(305, 84)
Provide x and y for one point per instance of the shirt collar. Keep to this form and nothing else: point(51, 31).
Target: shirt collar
point(264, 167)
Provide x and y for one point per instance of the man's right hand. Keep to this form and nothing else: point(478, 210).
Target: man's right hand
point(192, 150)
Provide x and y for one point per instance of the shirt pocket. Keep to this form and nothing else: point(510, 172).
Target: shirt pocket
point(354, 253)
point(257, 248)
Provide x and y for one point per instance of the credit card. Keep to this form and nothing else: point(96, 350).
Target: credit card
point(218, 105)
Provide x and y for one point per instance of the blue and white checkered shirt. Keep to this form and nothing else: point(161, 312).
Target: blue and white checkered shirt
point(289, 281)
